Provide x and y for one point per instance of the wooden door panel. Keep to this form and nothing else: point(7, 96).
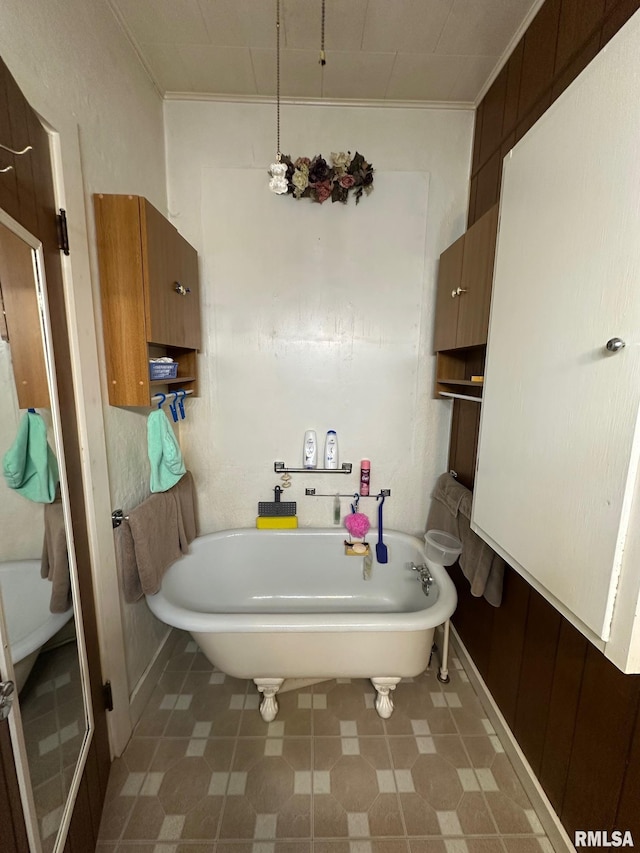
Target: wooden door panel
point(477, 278)
point(449, 278)
point(162, 259)
point(189, 278)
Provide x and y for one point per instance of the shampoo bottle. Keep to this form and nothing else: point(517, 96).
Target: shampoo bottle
point(331, 450)
point(310, 450)
point(365, 476)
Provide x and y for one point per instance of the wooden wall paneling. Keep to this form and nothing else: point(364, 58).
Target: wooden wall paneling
point(507, 643)
point(605, 721)
point(536, 678)
point(464, 440)
point(493, 115)
point(512, 91)
point(571, 653)
point(21, 137)
point(489, 178)
point(579, 62)
point(8, 185)
point(533, 115)
point(617, 16)
point(473, 192)
point(507, 145)
point(578, 22)
point(538, 60)
point(473, 620)
point(628, 814)
point(477, 134)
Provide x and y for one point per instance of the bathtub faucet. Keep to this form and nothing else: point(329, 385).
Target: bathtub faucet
point(424, 576)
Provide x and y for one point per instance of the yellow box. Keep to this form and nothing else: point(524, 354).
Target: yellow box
point(276, 522)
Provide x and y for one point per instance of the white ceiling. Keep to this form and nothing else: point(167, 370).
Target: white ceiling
point(376, 50)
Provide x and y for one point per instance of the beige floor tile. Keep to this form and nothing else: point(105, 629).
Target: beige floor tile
point(202, 821)
point(522, 845)
point(145, 820)
point(437, 781)
point(238, 819)
point(114, 817)
point(185, 784)
point(427, 846)
point(385, 816)
point(344, 701)
point(139, 753)
point(329, 818)
point(485, 845)
point(419, 817)
point(510, 818)
point(474, 815)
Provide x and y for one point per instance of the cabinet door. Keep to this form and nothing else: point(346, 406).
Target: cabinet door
point(559, 441)
point(171, 282)
point(476, 281)
point(449, 278)
point(188, 332)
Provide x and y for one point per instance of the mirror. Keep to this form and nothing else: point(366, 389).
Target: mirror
point(40, 620)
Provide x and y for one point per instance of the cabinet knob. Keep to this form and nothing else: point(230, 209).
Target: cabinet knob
point(181, 289)
point(615, 344)
point(457, 292)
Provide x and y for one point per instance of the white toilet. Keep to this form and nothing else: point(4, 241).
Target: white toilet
point(442, 549)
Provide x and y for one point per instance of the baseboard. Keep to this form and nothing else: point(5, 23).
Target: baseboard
point(554, 829)
point(150, 677)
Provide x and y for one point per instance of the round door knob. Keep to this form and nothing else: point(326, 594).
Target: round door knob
point(615, 344)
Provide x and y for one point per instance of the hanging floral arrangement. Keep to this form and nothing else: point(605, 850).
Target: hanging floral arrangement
point(317, 180)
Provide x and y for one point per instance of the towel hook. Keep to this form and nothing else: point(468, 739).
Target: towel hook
point(172, 407)
point(162, 402)
point(13, 150)
point(182, 394)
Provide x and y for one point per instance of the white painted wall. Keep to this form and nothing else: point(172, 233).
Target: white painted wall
point(78, 70)
point(316, 316)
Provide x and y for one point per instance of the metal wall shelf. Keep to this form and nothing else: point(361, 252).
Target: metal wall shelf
point(345, 468)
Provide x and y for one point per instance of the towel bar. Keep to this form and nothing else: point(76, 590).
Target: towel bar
point(117, 517)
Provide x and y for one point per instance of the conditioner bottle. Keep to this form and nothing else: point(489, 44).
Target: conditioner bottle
point(331, 450)
point(310, 450)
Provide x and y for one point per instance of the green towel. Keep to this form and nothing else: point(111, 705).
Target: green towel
point(29, 466)
point(167, 465)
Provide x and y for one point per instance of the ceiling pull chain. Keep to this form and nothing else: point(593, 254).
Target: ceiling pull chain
point(323, 56)
point(278, 183)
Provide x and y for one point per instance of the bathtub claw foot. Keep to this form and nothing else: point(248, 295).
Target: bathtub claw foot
point(268, 687)
point(384, 703)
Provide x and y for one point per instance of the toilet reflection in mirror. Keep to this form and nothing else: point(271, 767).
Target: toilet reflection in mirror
point(35, 579)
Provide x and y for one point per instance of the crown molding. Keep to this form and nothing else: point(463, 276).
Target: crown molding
point(320, 102)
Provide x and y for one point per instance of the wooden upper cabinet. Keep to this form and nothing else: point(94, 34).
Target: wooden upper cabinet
point(150, 298)
point(170, 278)
point(477, 276)
point(464, 287)
point(449, 278)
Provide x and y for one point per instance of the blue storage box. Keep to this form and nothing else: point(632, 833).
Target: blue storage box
point(163, 370)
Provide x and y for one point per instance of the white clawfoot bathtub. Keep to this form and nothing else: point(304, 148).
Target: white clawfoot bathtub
point(271, 605)
point(30, 623)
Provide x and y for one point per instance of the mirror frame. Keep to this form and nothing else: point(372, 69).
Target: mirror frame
point(6, 662)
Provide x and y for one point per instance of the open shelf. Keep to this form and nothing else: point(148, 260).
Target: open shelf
point(454, 369)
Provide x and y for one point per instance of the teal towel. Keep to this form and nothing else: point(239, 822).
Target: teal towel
point(167, 465)
point(29, 466)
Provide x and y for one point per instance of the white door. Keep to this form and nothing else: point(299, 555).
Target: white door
point(558, 446)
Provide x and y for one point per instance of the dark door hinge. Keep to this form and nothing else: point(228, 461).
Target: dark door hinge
point(108, 696)
point(63, 234)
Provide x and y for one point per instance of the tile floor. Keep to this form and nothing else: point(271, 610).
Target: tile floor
point(204, 773)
